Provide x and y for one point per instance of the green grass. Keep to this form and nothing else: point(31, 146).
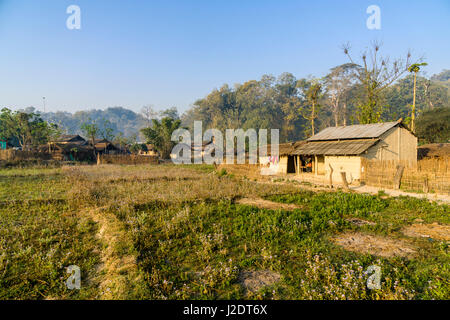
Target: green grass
point(191, 240)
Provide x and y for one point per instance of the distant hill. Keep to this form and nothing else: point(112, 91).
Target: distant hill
point(442, 78)
point(121, 120)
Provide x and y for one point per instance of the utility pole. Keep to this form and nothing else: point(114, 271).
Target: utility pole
point(43, 100)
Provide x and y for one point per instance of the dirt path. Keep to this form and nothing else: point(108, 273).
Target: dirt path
point(367, 189)
point(118, 270)
point(395, 193)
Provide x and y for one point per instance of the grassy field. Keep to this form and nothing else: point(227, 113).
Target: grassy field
point(181, 232)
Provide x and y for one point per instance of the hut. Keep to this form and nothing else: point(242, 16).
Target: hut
point(148, 150)
point(282, 161)
point(342, 149)
point(70, 138)
point(104, 146)
point(63, 151)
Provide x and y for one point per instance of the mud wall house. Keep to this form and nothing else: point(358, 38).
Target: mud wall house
point(343, 149)
point(283, 161)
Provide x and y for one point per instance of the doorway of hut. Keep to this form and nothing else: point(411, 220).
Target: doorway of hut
point(291, 164)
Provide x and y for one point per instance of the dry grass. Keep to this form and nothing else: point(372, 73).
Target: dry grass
point(434, 231)
point(266, 204)
point(253, 281)
point(375, 245)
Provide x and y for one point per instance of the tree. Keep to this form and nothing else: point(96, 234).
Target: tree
point(28, 129)
point(160, 134)
point(414, 68)
point(312, 91)
point(148, 113)
point(91, 131)
point(106, 131)
point(433, 126)
point(376, 73)
point(338, 82)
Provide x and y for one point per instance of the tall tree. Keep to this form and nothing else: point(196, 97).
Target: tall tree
point(338, 82)
point(376, 74)
point(312, 92)
point(414, 68)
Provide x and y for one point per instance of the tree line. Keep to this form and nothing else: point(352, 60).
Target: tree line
point(367, 89)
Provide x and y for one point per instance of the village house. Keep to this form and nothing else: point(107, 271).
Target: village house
point(284, 161)
point(148, 150)
point(344, 149)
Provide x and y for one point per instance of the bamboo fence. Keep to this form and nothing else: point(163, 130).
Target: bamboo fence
point(428, 175)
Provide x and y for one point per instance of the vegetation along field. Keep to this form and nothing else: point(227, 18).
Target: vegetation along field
point(193, 232)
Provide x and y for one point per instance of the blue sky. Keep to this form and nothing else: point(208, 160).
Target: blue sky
point(170, 53)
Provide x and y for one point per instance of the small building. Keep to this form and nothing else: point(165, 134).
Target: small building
point(148, 150)
point(282, 161)
point(197, 151)
point(104, 146)
point(68, 151)
point(342, 149)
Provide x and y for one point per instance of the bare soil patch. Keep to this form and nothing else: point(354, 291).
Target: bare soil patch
point(253, 281)
point(360, 222)
point(434, 231)
point(376, 245)
point(266, 204)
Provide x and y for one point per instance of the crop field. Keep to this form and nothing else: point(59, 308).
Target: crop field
point(194, 232)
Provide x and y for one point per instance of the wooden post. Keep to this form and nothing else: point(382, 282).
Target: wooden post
point(398, 176)
point(98, 159)
point(331, 175)
point(315, 165)
point(295, 164)
point(344, 181)
point(426, 188)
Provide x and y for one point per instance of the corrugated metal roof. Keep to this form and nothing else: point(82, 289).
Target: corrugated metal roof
point(347, 147)
point(373, 130)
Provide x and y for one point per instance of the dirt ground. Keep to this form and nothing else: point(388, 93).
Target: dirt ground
point(360, 222)
point(434, 231)
point(266, 204)
point(376, 245)
point(253, 281)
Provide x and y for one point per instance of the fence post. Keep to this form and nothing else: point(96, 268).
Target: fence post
point(398, 176)
point(426, 188)
point(331, 175)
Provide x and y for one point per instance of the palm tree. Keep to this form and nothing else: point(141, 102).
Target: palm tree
point(415, 68)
